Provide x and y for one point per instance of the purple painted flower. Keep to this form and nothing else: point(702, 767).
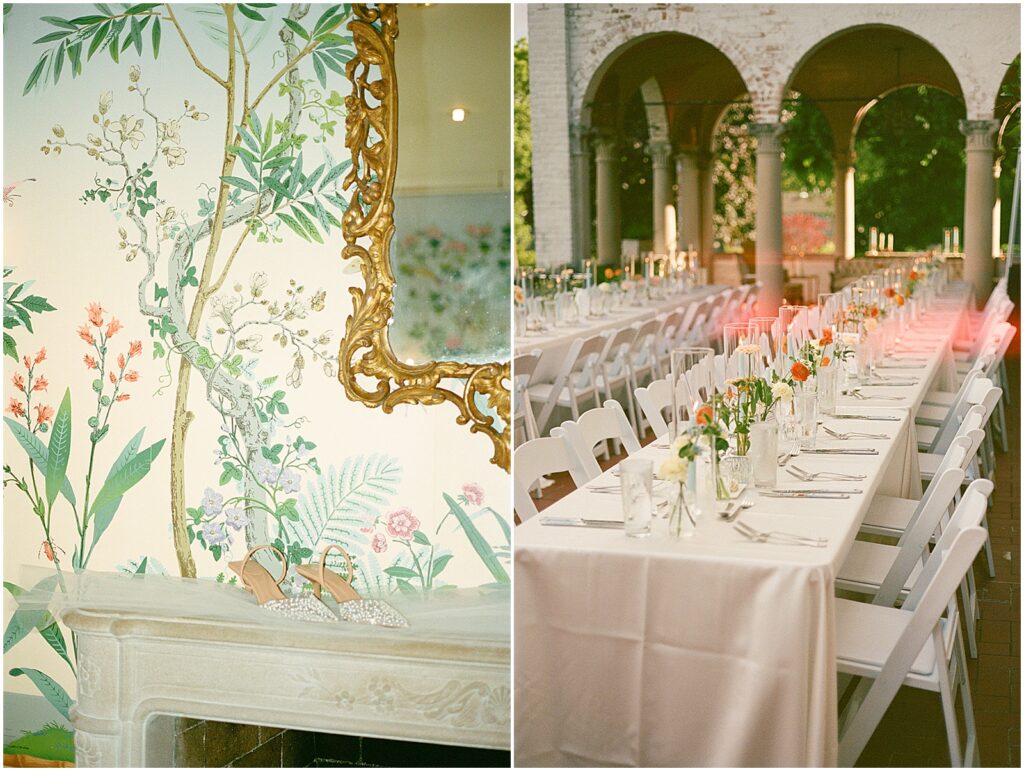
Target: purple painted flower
point(214, 534)
point(474, 493)
point(213, 502)
point(289, 481)
point(236, 518)
point(266, 472)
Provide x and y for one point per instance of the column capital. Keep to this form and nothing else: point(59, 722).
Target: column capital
point(979, 133)
point(606, 146)
point(687, 158)
point(660, 151)
point(579, 139)
point(844, 159)
point(768, 135)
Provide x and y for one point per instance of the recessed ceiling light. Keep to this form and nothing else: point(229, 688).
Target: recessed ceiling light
point(458, 115)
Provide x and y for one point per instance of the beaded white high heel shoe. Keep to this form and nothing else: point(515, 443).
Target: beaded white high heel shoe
point(257, 580)
point(351, 607)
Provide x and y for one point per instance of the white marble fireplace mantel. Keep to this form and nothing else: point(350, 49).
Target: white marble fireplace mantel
point(444, 680)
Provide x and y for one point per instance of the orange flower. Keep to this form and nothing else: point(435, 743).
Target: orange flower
point(114, 327)
point(826, 361)
point(90, 362)
point(874, 311)
point(85, 334)
point(889, 292)
point(914, 275)
point(131, 376)
point(19, 381)
point(113, 377)
point(43, 414)
point(16, 408)
point(121, 360)
point(40, 384)
point(41, 356)
point(27, 362)
point(900, 299)
point(123, 397)
point(135, 348)
point(95, 314)
point(826, 337)
point(799, 371)
point(705, 415)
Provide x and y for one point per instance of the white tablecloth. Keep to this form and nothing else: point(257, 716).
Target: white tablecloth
point(706, 651)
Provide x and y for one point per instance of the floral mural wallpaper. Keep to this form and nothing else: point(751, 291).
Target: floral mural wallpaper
point(173, 298)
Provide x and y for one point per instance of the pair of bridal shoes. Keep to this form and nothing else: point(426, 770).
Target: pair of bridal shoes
point(351, 607)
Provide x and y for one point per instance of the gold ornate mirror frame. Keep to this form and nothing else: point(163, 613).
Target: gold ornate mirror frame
point(372, 108)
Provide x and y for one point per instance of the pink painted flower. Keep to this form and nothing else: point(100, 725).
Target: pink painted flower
point(366, 530)
point(134, 349)
point(95, 311)
point(43, 414)
point(474, 493)
point(90, 362)
point(85, 334)
point(131, 376)
point(379, 543)
point(121, 362)
point(18, 381)
point(41, 384)
point(16, 408)
point(402, 524)
point(114, 327)
point(41, 356)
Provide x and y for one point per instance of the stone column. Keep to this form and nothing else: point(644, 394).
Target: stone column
point(997, 209)
point(688, 198)
point(661, 166)
point(979, 194)
point(609, 242)
point(769, 215)
point(843, 228)
point(581, 215)
point(706, 164)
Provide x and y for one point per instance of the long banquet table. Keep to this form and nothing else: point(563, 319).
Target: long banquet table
point(711, 650)
point(555, 344)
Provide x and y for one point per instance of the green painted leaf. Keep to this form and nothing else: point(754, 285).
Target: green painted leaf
point(33, 77)
point(295, 226)
point(420, 537)
point(59, 450)
point(477, 541)
point(118, 483)
point(318, 68)
point(295, 27)
point(53, 692)
point(49, 38)
point(250, 13)
point(307, 223)
point(55, 638)
point(38, 454)
point(10, 347)
point(238, 182)
point(156, 37)
point(439, 564)
point(401, 572)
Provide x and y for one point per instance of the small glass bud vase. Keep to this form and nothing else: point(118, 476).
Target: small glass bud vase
point(764, 452)
point(806, 398)
point(736, 472)
point(828, 385)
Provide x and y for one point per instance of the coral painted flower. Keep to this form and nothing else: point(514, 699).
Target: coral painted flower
point(85, 334)
point(27, 362)
point(113, 377)
point(90, 362)
point(705, 415)
point(121, 362)
point(19, 381)
point(95, 311)
point(123, 397)
point(402, 524)
point(44, 414)
point(799, 371)
point(41, 384)
point(379, 543)
point(114, 327)
point(16, 408)
point(135, 348)
point(474, 493)
point(131, 376)
point(41, 356)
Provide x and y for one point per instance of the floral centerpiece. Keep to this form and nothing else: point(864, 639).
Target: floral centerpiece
point(746, 400)
point(679, 467)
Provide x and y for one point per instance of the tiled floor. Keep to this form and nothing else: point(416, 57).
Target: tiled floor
point(912, 732)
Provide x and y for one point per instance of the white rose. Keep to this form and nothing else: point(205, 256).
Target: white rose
point(681, 441)
point(782, 391)
point(870, 325)
point(674, 469)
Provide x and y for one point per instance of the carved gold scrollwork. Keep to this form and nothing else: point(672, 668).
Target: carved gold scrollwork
point(371, 135)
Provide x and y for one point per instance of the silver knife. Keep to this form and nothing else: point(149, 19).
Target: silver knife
point(817, 491)
point(570, 522)
point(867, 417)
point(842, 452)
point(833, 496)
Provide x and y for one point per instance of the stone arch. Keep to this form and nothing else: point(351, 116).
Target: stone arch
point(654, 107)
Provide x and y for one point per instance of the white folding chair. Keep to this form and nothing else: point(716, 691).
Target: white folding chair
point(523, 368)
point(576, 381)
point(912, 645)
point(600, 424)
point(655, 401)
point(536, 458)
point(643, 356)
point(615, 368)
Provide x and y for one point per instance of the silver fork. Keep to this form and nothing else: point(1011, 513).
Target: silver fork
point(791, 539)
point(853, 434)
point(855, 392)
point(810, 476)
